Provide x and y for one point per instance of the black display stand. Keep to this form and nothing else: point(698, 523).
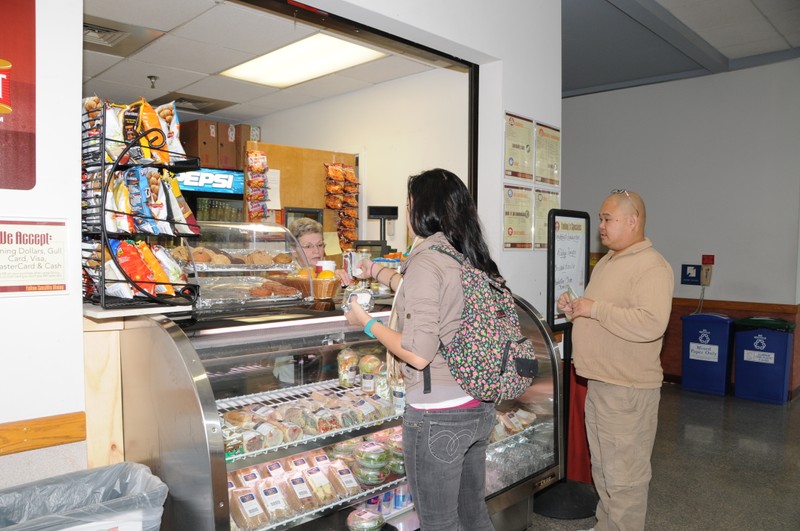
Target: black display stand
point(567, 263)
point(567, 499)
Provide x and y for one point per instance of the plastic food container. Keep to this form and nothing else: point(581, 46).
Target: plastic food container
point(347, 361)
point(395, 444)
point(346, 448)
point(370, 476)
point(364, 520)
point(372, 454)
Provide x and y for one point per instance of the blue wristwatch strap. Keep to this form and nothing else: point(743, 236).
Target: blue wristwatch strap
point(368, 326)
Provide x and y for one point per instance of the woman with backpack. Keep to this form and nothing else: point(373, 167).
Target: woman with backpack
point(445, 430)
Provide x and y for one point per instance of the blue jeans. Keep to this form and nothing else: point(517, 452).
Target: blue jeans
point(445, 458)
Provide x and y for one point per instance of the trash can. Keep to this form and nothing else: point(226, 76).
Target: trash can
point(120, 496)
point(763, 359)
point(707, 342)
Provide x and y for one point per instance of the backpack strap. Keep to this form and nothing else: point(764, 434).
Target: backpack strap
point(498, 284)
point(426, 379)
point(449, 251)
point(458, 257)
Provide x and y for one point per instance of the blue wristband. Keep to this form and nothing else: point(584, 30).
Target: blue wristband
point(368, 326)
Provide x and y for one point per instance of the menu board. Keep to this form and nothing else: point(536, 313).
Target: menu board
point(567, 259)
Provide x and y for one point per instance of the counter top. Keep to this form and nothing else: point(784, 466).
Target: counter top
point(97, 312)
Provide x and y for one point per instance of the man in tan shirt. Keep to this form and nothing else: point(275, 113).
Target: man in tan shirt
point(617, 333)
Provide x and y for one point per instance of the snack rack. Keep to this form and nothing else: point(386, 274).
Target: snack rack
point(105, 281)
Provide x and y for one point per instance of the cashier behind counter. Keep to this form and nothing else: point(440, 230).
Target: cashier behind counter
point(308, 234)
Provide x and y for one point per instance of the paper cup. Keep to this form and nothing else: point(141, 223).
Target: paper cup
point(325, 265)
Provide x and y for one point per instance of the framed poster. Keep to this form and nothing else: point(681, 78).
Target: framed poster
point(33, 256)
point(517, 217)
point(548, 155)
point(546, 200)
point(519, 146)
point(18, 95)
point(567, 259)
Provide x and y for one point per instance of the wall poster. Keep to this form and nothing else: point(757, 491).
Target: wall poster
point(33, 257)
point(519, 144)
point(517, 217)
point(546, 200)
point(18, 95)
point(548, 155)
point(567, 259)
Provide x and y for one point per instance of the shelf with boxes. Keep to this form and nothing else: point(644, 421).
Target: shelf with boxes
point(218, 144)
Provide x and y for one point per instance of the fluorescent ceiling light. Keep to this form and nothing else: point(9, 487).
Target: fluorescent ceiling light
point(307, 59)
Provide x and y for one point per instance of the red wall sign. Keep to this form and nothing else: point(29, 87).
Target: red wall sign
point(18, 95)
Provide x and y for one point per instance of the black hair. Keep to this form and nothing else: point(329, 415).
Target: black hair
point(440, 202)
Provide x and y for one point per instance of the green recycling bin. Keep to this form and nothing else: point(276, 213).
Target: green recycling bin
point(763, 350)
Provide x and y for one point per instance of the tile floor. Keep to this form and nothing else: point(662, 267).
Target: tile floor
point(719, 463)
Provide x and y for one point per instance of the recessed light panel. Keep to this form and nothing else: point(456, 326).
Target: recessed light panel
point(309, 58)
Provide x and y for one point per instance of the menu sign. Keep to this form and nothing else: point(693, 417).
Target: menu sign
point(18, 95)
point(567, 260)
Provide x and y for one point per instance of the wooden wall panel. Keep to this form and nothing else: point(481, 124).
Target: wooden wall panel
point(302, 172)
point(103, 382)
point(32, 434)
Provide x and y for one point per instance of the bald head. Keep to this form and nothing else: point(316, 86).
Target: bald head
point(629, 202)
point(622, 220)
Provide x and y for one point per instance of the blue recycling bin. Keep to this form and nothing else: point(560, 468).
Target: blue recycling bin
point(763, 359)
point(707, 342)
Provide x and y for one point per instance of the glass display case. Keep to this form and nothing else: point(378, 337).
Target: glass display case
point(263, 422)
point(248, 266)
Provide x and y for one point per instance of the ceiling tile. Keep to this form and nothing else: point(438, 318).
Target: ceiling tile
point(793, 38)
point(135, 73)
point(331, 85)
point(385, 69)
point(226, 88)
point(788, 23)
point(119, 93)
point(243, 28)
point(284, 99)
point(757, 47)
point(178, 52)
point(243, 113)
point(777, 8)
point(156, 14)
point(748, 29)
point(700, 16)
point(95, 62)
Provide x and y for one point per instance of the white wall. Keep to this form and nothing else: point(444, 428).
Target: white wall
point(42, 346)
point(518, 47)
point(717, 160)
point(41, 372)
point(397, 128)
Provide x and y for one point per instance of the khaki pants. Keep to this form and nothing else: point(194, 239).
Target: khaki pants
point(621, 427)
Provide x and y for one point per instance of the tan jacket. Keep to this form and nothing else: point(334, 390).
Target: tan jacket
point(621, 342)
point(429, 306)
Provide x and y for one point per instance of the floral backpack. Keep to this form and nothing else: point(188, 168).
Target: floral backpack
point(488, 357)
